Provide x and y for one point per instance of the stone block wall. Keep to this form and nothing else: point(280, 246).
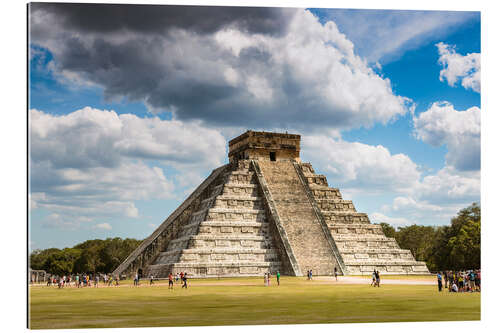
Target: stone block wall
point(362, 245)
point(228, 236)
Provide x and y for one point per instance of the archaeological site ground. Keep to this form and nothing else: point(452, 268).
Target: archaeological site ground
point(246, 301)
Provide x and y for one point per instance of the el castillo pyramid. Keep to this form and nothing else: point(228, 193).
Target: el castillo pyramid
point(266, 211)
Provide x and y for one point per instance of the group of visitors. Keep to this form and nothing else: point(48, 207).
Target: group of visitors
point(310, 274)
point(81, 280)
point(460, 281)
point(267, 279)
point(375, 279)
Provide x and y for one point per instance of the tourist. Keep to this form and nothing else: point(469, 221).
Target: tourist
point(177, 277)
point(96, 281)
point(440, 281)
point(268, 279)
point(374, 278)
point(460, 282)
point(335, 273)
point(184, 279)
point(472, 281)
point(170, 281)
point(454, 288)
point(136, 279)
point(151, 280)
point(182, 276)
point(278, 278)
point(377, 276)
point(265, 279)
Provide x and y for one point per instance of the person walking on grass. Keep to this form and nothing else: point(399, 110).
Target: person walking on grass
point(440, 281)
point(184, 279)
point(278, 278)
point(268, 279)
point(170, 281)
point(96, 281)
point(151, 278)
point(377, 277)
point(265, 279)
point(335, 273)
point(374, 279)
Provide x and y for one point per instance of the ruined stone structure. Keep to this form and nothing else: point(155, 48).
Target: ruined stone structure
point(266, 211)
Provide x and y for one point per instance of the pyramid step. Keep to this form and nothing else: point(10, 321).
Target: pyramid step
point(232, 201)
point(355, 228)
point(220, 241)
point(376, 262)
point(316, 179)
point(240, 189)
point(240, 177)
point(201, 250)
point(217, 255)
point(325, 193)
point(412, 268)
point(345, 245)
point(226, 214)
point(369, 251)
point(215, 223)
point(361, 237)
point(335, 205)
point(346, 217)
point(234, 227)
point(380, 255)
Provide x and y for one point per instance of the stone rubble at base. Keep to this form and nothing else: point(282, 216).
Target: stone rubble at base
point(266, 211)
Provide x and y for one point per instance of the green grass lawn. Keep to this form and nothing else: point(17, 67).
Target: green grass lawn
point(245, 302)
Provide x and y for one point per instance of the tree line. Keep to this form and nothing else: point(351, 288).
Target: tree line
point(92, 256)
point(452, 247)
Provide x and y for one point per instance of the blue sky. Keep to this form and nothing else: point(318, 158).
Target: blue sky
point(126, 121)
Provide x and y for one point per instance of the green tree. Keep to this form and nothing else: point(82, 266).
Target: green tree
point(91, 256)
point(418, 239)
point(388, 230)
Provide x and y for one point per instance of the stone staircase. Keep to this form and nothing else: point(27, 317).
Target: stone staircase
point(227, 236)
point(303, 229)
point(362, 245)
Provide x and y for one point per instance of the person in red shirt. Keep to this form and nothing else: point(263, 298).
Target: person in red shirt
point(170, 281)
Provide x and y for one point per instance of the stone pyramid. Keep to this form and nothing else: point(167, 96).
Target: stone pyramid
point(266, 211)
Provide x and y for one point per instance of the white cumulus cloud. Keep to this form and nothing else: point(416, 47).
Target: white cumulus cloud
point(460, 131)
point(355, 165)
point(95, 163)
point(459, 68)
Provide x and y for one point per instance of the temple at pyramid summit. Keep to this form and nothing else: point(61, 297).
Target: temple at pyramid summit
point(267, 211)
